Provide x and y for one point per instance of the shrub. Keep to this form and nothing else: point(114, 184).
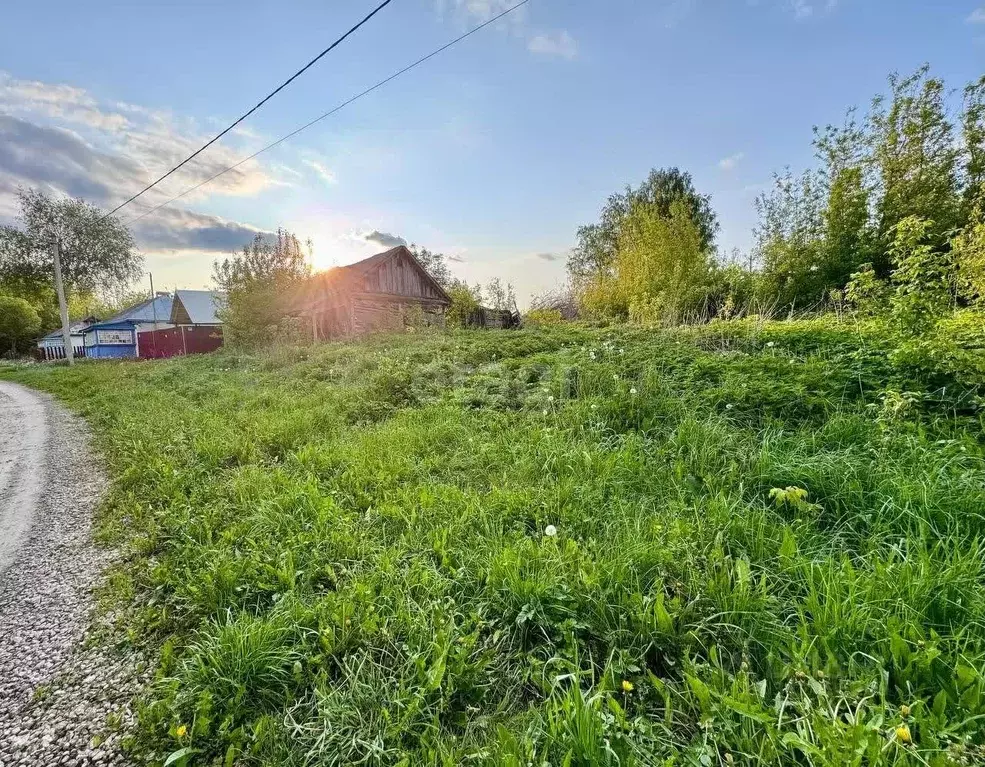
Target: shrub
point(19, 322)
point(542, 318)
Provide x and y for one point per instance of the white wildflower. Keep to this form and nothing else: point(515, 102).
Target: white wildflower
point(770, 345)
point(550, 531)
point(633, 390)
point(729, 406)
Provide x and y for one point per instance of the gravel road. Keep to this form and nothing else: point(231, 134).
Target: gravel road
point(63, 697)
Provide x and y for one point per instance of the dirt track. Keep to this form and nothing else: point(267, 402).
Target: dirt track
point(23, 442)
point(55, 693)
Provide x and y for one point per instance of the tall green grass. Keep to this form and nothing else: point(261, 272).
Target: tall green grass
point(767, 549)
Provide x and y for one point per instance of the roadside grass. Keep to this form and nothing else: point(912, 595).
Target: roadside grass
point(767, 549)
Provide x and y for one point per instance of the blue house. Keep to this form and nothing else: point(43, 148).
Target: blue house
point(117, 336)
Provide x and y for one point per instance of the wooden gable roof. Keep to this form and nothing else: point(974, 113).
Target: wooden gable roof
point(395, 272)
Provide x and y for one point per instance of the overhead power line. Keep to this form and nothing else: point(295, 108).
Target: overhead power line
point(259, 104)
point(338, 108)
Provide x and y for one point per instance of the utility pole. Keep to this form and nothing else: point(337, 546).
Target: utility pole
point(62, 303)
point(153, 298)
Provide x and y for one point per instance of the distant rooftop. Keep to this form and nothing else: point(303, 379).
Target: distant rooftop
point(158, 308)
point(196, 307)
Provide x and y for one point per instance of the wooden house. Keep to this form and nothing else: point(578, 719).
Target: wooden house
point(383, 292)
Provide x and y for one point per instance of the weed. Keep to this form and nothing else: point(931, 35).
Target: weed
point(747, 543)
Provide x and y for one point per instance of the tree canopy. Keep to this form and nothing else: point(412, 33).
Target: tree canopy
point(598, 244)
point(97, 252)
point(19, 322)
point(259, 285)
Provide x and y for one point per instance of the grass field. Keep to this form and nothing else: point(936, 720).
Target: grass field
point(740, 544)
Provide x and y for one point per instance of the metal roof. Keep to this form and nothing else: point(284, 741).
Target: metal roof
point(146, 311)
point(201, 305)
point(74, 328)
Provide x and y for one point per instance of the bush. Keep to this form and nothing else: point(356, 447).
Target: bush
point(536, 318)
point(19, 323)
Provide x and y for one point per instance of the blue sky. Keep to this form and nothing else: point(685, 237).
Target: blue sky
point(494, 152)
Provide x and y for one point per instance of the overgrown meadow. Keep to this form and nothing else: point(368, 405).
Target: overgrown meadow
point(748, 543)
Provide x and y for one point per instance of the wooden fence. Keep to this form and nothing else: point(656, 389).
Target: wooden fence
point(52, 353)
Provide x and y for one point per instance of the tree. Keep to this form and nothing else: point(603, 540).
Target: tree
point(598, 244)
point(500, 297)
point(434, 263)
point(19, 322)
point(968, 249)
point(790, 237)
point(847, 181)
point(973, 133)
point(848, 239)
point(915, 154)
point(259, 285)
point(464, 303)
point(923, 279)
point(97, 252)
point(663, 265)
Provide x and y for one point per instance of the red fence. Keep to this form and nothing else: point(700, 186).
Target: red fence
point(175, 342)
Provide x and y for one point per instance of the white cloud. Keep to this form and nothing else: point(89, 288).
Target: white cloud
point(804, 9)
point(383, 239)
point(482, 10)
point(140, 143)
point(729, 163)
point(323, 172)
point(62, 102)
point(558, 44)
point(61, 139)
point(977, 16)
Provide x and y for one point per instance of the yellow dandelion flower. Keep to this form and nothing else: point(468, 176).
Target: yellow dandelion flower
point(903, 734)
point(181, 731)
point(627, 686)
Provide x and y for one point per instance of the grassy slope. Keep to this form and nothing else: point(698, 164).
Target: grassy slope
point(343, 550)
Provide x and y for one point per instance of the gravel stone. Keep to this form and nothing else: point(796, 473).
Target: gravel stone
point(64, 695)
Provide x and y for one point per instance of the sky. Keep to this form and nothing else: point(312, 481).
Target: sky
point(493, 152)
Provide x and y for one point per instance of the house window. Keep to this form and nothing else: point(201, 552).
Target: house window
point(114, 337)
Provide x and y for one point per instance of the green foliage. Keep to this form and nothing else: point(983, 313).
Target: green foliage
point(464, 303)
point(557, 545)
point(259, 286)
point(789, 239)
point(968, 249)
point(916, 156)
point(866, 293)
point(598, 244)
point(660, 272)
point(537, 318)
point(19, 323)
point(816, 230)
point(97, 252)
point(661, 268)
point(973, 135)
point(923, 278)
point(434, 264)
